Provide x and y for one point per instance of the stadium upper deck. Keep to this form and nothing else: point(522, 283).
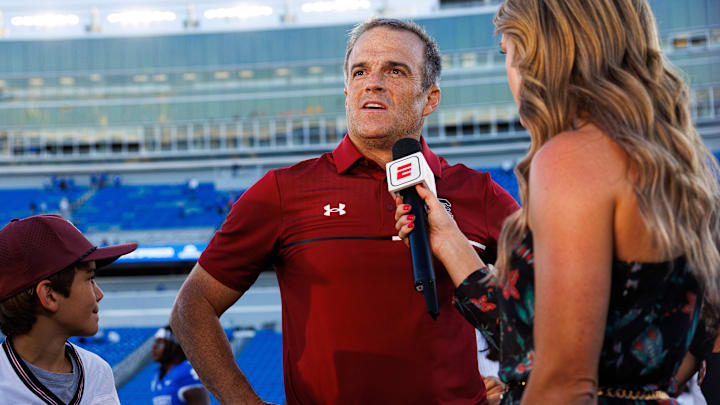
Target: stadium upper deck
point(270, 91)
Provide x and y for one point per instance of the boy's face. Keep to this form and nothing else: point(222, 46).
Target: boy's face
point(78, 312)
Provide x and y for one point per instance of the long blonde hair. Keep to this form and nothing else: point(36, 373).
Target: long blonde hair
point(600, 61)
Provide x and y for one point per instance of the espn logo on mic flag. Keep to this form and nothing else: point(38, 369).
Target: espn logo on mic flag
point(408, 171)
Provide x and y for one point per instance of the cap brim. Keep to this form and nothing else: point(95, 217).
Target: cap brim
point(106, 255)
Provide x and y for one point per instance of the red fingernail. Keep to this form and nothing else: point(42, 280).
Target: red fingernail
point(411, 217)
point(406, 207)
point(411, 225)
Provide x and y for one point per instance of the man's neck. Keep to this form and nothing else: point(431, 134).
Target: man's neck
point(380, 154)
point(43, 349)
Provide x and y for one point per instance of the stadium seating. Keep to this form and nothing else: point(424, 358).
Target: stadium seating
point(114, 344)
point(152, 207)
point(131, 207)
point(16, 203)
point(261, 361)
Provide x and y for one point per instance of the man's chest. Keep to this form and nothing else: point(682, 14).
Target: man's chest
point(361, 209)
point(351, 207)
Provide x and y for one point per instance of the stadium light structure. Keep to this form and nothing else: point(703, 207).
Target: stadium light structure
point(191, 21)
point(94, 25)
point(141, 17)
point(49, 20)
point(242, 12)
point(334, 6)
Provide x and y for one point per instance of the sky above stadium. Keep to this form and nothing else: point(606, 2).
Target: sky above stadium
point(78, 18)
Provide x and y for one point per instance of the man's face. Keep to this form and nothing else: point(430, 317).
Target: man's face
point(384, 98)
point(78, 312)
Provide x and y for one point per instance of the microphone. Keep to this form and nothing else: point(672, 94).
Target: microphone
point(407, 169)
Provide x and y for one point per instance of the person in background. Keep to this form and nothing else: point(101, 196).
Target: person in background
point(603, 272)
point(48, 294)
point(175, 382)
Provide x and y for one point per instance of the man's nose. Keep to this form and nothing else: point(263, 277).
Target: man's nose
point(376, 82)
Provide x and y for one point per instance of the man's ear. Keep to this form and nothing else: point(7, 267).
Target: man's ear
point(47, 296)
point(432, 100)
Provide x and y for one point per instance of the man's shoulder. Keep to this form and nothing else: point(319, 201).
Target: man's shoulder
point(309, 170)
point(461, 173)
point(460, 180)
point(279, 179)
point(322, 162)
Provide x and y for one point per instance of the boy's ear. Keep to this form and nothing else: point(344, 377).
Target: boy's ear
point(47, 296)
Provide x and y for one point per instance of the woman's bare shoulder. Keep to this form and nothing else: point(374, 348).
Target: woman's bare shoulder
point(583, 157)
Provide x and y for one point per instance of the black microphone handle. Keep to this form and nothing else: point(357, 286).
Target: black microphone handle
point(423, 272)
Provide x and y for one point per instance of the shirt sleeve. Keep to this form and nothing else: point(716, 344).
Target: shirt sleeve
point(475, 299)
point(702, 342)
point(245, 244)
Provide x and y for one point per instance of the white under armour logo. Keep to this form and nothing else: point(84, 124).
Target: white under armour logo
point(340, 210)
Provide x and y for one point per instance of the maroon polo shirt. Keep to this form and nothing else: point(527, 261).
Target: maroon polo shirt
point(355, 331)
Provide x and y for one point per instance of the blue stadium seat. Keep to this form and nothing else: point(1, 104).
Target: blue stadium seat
point(261, 361)
point(15, 203)
point(114, 344)
point(152, 207)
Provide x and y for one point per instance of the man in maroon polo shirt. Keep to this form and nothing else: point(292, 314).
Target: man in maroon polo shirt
point(355, 331)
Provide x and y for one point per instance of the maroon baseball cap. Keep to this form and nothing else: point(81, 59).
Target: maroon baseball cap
point(34, 248)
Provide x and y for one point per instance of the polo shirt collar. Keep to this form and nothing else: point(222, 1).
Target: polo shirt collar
point(346, 154)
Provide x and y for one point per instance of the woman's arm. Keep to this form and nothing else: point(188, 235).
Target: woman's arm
point(573, 183)
point(689, 366)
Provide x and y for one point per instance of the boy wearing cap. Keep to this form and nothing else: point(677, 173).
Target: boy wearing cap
point(47, 294)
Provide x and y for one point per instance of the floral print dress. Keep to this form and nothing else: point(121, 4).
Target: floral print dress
point(653, 313)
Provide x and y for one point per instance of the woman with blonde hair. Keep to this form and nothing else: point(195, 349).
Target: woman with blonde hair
point(603, 274)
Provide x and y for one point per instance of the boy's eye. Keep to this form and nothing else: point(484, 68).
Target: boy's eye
point(359, 73)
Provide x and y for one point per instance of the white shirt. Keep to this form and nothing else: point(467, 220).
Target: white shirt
point(19, 387)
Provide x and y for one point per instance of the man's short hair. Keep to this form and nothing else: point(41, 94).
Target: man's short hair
point(433, 63)
point(19, 312)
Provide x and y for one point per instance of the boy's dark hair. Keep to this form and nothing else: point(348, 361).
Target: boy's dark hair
point(19, 312)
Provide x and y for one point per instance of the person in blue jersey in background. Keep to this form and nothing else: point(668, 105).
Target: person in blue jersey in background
point(175, 382)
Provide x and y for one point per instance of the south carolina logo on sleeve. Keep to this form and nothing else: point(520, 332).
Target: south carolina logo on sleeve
point(447, 205)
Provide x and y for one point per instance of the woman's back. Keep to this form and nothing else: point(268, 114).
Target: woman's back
point(589, 157)
point(594, 267)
